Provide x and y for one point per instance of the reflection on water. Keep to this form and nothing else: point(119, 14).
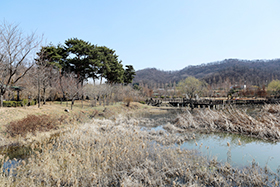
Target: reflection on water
point(227, 149)
point(11, 165)
point(235, 149)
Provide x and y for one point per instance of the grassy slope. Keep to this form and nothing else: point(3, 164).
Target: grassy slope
point(10, 114)
point(79, 114)
point(55, 108)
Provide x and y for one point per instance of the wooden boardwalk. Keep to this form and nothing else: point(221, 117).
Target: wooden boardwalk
point(210, 103)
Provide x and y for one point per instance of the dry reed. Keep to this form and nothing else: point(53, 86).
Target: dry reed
point(117, 153)
point(265, 126)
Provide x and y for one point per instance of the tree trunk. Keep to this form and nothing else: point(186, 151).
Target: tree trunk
point(17, 95)
point(64, 97)
point(82, 85)
point(1, 100)
point(39, 95)
point(191, 103)
point(44, 90)
point(72, 103)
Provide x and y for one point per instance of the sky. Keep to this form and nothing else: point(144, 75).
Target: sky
point(165, 34)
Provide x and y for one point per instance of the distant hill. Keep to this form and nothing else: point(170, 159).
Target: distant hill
point(234, 71)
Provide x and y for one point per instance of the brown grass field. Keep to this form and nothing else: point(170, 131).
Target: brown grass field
point(81, 113)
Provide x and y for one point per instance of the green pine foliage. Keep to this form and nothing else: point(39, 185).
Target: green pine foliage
point(129, 74)
point(88, 61)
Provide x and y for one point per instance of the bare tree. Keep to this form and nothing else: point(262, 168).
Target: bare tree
point(69, 85)
point(38, 77)
point(30, 92)
point(15, 48)
point(91, 91)
point(45, 75)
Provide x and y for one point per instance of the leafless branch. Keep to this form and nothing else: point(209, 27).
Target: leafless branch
point(15, 50)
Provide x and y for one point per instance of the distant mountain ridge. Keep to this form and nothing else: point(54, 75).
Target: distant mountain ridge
point(235, 71)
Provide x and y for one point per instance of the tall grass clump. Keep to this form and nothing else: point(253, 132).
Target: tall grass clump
point(233, 120)
point(117, 153)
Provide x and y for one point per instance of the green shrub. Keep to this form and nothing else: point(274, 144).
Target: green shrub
point(24, 102)
point(12, 103)
point(18, 103)
point(162, 97)
point(33, 102)
point(142, 102)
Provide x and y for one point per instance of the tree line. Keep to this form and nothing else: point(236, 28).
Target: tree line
point(65, 67)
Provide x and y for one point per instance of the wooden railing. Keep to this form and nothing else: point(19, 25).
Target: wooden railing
point(209, 102)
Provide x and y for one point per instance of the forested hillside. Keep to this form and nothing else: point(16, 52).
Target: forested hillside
point(233, 71)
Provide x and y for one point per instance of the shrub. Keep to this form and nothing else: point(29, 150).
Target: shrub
point(33, 102)
point(12, 103)
point(24, 102)
point(18, 103)
point(142, 102)
point(128, 100)
point(32, 123)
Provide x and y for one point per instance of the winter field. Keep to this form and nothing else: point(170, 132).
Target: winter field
point(132, 147)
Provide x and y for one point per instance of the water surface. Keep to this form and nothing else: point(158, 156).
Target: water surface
point(238, 150)
point(225, 147)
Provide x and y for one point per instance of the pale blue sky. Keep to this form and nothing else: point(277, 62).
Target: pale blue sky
point(165, 34)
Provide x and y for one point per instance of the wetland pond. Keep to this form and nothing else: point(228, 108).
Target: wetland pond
point(237, 150)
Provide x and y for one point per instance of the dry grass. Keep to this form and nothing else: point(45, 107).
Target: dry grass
point(265, 126)
point(117, 153)
point(55, 111)
point(55, 108)
point(33, 124)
